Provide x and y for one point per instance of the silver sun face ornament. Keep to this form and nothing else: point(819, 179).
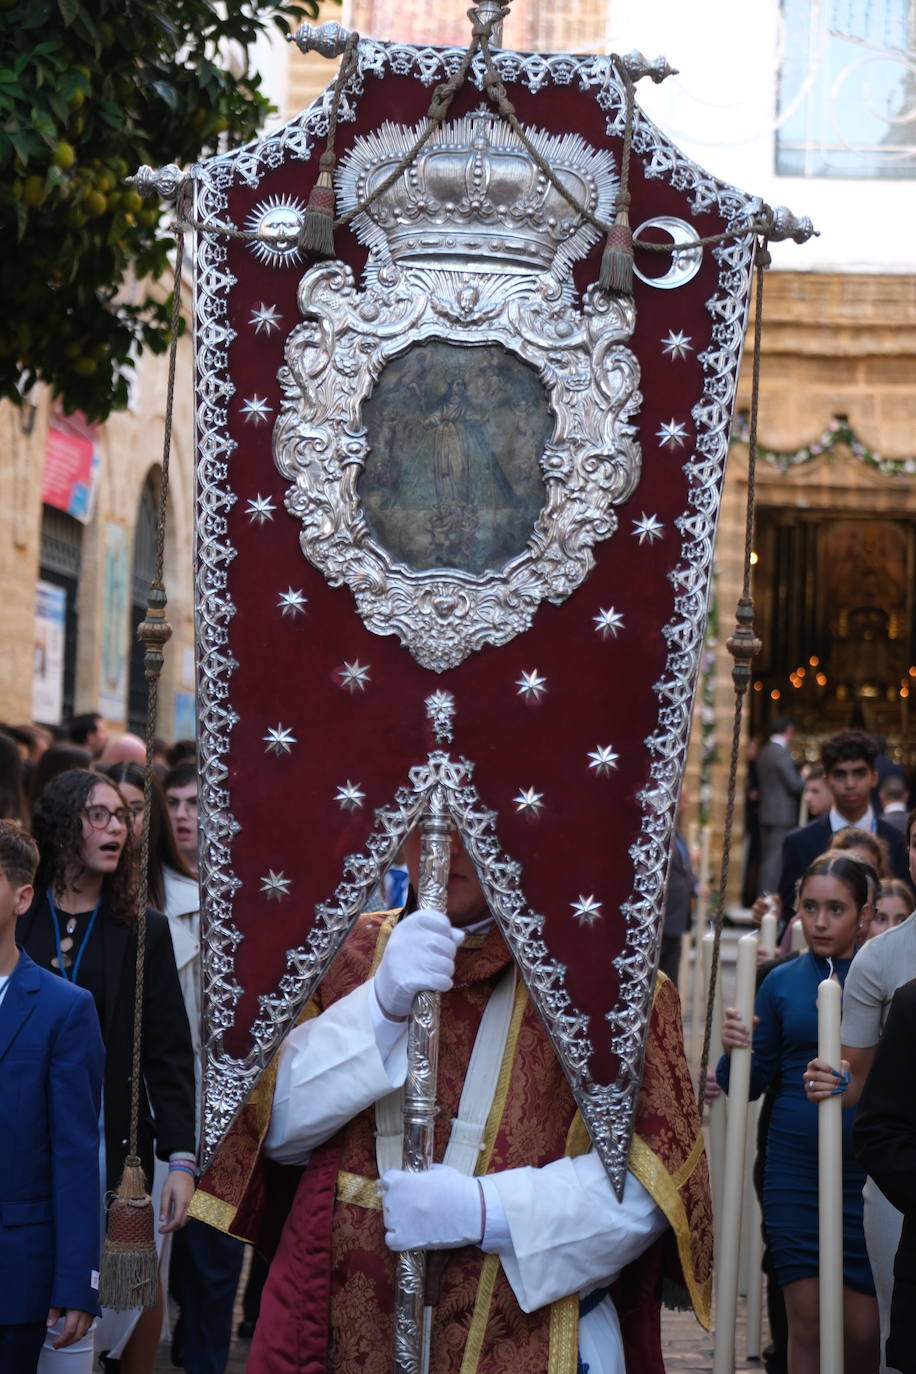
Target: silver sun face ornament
point(277, 223)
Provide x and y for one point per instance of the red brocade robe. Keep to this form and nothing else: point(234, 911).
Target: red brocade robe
point(329, 1297)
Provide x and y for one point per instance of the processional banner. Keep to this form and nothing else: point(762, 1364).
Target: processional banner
point(456, 513)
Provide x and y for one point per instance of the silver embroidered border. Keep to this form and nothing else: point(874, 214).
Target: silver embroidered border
point(228, 1082)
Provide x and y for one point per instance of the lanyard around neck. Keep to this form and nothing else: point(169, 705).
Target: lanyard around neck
point(66, 973)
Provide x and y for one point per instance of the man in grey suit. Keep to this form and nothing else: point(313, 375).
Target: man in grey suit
point(780, 788)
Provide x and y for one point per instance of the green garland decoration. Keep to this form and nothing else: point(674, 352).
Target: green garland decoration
point(838, 434)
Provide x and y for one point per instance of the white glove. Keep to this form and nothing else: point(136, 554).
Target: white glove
point(439, 1209)
point(419, 957)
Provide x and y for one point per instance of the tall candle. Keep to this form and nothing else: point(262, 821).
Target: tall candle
point(697, 1008)
point(729, 1239)
point(717, 1105)
point(830, 1185)
point(767, 940)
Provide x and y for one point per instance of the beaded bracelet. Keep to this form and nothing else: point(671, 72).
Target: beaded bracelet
point(183, 1168)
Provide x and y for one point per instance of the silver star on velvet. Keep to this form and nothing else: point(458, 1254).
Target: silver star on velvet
point(608, 622)
point(350, 796)
point(265, 318)
point(673, 434)
point(647, 527)
point(529, 802)
point(292, 602)
point(531, 685)
point(260, 509)
point(279, 740)
point(354, 676)
point(602, 760)
point(586, 910)
point(677, 345)
point(256, 409)
point(275, 886)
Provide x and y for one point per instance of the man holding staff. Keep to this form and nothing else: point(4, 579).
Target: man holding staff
point(534, 1261)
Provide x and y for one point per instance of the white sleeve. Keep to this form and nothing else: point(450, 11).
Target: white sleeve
point(331, 1068)
point(567, 1231)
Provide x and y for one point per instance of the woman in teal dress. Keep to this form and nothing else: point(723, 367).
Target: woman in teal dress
point(832, 897)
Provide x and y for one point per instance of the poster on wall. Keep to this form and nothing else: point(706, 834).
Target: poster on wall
point(72, 461)
point(115, 622)
point(50, 639)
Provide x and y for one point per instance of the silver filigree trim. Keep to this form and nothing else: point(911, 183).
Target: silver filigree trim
point(228, 1081)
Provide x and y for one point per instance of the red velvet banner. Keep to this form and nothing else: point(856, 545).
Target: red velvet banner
point(618, 658)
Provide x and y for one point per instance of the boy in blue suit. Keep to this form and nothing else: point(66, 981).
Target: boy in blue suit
point(51, 1061)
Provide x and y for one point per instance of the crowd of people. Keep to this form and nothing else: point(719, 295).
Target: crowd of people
point(71, 818)
point(543, 1212)
point(845, 878)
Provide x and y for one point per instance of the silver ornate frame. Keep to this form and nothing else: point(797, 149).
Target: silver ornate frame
point(591, 463)
point(229, 1081)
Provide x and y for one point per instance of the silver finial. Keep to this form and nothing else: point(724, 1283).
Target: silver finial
point(488, 10)
point(164, 182)
point(784, 225)
point(329, 40)
point(638, 66)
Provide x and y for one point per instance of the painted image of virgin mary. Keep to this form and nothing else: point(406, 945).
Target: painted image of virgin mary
point(443, 485)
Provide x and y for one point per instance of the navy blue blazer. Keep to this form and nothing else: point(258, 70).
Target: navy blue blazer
point(51, 1063)
point(802, 846)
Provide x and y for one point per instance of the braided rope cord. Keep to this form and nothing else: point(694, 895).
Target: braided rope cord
point(436, 116)
point(154, 632)
point(743, 645)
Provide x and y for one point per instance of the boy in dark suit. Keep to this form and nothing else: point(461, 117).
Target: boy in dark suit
point(849, 767)
point(51, 1061)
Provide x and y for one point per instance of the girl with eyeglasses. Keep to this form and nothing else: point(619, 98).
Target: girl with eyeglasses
point(82, 925)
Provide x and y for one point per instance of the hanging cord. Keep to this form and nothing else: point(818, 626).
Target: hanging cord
point(317, 233)
point(129, 1271)
point(320, 205)
point(742, 646)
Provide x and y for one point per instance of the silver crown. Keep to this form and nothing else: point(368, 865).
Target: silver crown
point(475, 195)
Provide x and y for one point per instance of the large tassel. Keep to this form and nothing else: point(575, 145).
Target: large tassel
point(130, 1266)
point(616, 276)
point(317, 233)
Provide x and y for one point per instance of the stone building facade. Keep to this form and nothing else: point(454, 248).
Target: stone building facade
point(74, 586)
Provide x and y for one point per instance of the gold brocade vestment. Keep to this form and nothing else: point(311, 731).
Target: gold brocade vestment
point(478, 1325)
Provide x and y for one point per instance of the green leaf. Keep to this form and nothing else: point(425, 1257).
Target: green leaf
point(166, 92)
point(69, 9)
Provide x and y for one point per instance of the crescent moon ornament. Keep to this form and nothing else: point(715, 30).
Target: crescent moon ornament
point(684, 266)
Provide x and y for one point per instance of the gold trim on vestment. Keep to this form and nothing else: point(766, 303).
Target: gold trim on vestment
point(362, 1192)
point(563, 1350)
point(663, 1187)
point(498, 1105)
point(480, 1318)
point(212, 1210)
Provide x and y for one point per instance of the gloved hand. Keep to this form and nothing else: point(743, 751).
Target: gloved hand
point(439, 1209)
point(419, 957)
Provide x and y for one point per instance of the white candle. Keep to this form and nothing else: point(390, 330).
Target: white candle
point(697, 1006)
point(798, 943)
point(717, 1105)
point(830, 1185)
point(767, 941)
point(729, 1240)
